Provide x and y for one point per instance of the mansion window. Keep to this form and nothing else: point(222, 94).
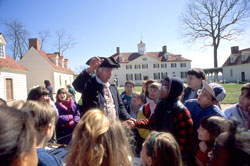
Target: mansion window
point(231, 72)
point(137, 66)
point(174, 74)
point(129, 77)
point(164, 65)
point(156, 65)
point(157, 76)
point(183, 65)
point(144, 66)
point(183, 74)
point(164, 75)
point(1, 51)
point(128, 66)
point(173, 65)
point(138, 76)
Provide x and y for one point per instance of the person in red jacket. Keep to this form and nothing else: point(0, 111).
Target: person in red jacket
point(171, 116)
point(210, 128)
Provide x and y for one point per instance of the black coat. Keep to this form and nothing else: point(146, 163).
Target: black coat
point(92, 95)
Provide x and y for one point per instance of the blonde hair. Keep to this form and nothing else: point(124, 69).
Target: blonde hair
point(98, 141)
point(42, 114)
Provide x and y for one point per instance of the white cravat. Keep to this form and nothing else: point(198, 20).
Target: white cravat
point(109, 106)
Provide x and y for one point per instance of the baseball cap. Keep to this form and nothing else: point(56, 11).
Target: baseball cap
point(216, 90)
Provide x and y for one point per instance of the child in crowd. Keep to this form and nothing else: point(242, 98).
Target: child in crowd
point(41, 94)
point(126, 95)
point(45, 118)
point(205, 105)
point(99, 141)
point(161, 149)
point(69, 116)
point(72, 91)
point(149, 107)
point(231, 148)
point(146, 90)
point(17, 138)
point(209, 129)
point(133, 109)
point(136, 103)
point(241, 110)
point(170, 115)
point(194, 81)
point(50, 88)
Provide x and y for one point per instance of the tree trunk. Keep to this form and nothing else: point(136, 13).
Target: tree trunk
point(215, 63)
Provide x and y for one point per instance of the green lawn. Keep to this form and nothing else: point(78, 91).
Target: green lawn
point(233, 92)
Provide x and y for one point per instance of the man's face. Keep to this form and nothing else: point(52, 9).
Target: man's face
point(129, 89)
point(193, 82)
point(244, 101)
point(104, 73)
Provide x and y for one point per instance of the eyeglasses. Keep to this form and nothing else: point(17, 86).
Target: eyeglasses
point(199, 92)
point(164, 87)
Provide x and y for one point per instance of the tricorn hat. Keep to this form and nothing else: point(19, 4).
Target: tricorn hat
point(107, 62)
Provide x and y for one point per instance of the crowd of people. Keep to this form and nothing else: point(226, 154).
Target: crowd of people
point(165, 124)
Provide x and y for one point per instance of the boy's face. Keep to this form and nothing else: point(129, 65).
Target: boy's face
point(205, 99)
point(136, 101)
point(193, 82)
point(164, 89)
point(153, 93)
point(129, 89)
point(244, 101)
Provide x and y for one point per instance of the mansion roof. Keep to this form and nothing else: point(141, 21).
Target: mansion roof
point(238, 60)
point(160, 56)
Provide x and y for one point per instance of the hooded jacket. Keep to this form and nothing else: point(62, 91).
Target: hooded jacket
point(172, 116)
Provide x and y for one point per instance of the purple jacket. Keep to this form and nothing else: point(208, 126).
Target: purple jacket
point(68, 118)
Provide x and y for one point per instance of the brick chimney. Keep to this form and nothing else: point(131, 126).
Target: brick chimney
point(66, 63)
point(118, 50)
point(234, 49)
point(164, 49)
point(34, 42)
point(58, 53)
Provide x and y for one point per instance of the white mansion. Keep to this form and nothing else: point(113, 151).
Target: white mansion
point(142, 65)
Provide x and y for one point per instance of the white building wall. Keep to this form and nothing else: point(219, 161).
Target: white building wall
point(19, 85)
point(39, 69)
point(236, 71)
point(120, 74)
point(61, 80)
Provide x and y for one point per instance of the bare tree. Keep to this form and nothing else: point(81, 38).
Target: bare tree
point(43, 35)
point(64, 41)
point(17, 37)
point(213, 20)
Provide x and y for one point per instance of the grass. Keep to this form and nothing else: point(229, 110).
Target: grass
point(232, 90)
point(233, 93)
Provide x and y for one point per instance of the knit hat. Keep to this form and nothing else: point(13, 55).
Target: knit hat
point(216, 90)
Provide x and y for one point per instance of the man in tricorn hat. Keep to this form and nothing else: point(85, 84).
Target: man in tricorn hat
point(96, 90)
